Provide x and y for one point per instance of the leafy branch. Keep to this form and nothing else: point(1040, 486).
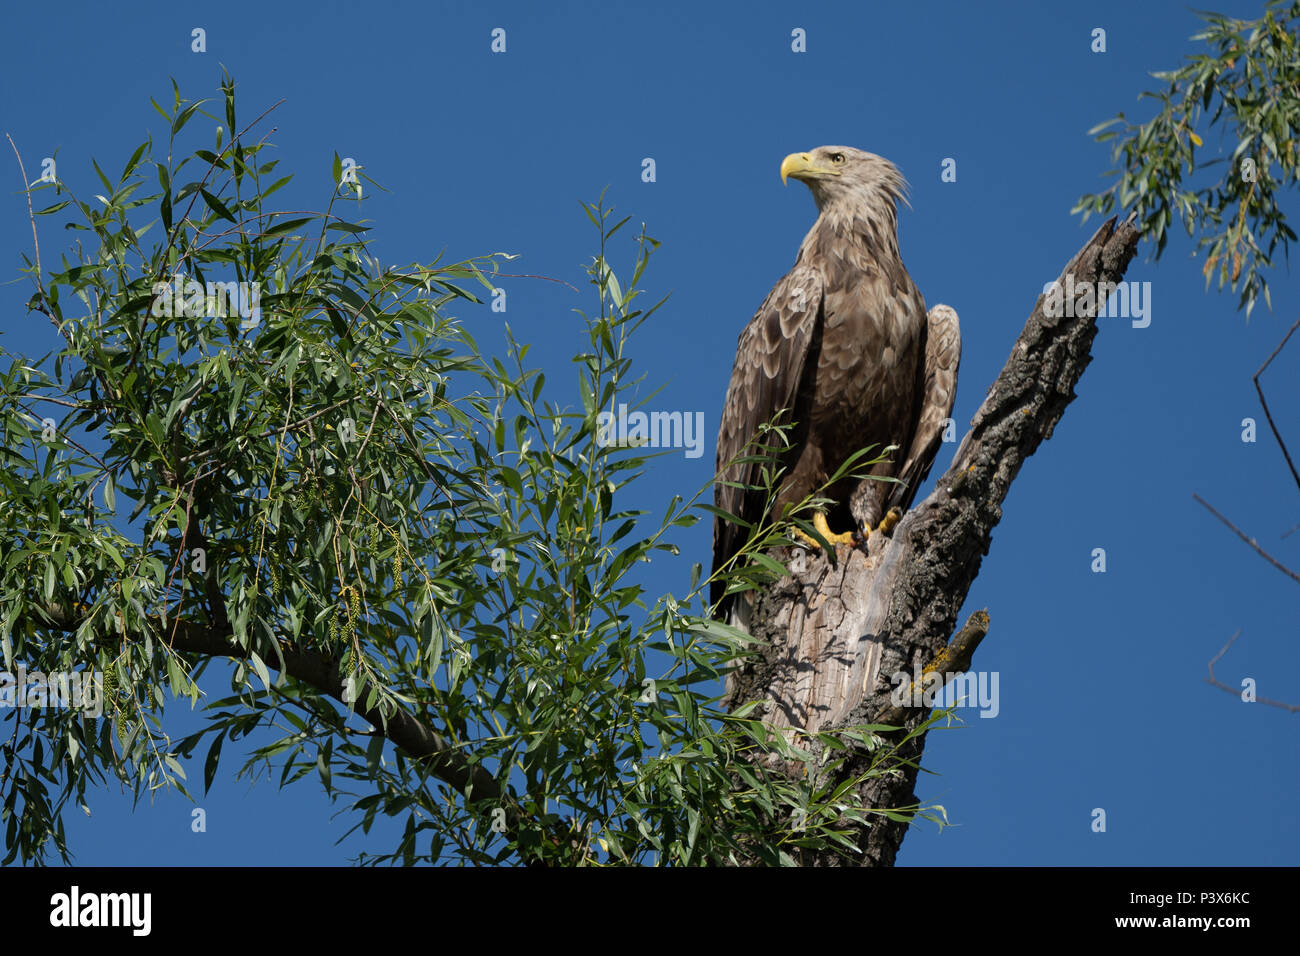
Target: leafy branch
point(1247, 83)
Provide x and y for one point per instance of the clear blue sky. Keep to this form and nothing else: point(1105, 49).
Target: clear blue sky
point(1103, 702)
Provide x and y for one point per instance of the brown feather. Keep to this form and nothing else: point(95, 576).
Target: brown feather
point(942, 356)
point(765, 379)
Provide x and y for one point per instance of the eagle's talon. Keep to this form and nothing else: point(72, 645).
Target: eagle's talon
point(834, 540)
point(888, 521)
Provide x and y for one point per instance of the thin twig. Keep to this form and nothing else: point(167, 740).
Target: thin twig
point(1250, 541)
point(36, 242)
point(1236, 691)
point(56, 401)
point(67, 438)
point(527, 275)
point(1269, 415)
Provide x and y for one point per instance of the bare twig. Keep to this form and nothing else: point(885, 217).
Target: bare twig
point(56, 401)
point(526, 275)
point(1250, 541)
point(1236, 691)
point(1269, 415)
point(36, 242)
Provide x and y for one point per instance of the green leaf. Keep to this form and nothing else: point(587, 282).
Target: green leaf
point(134, 160)
point(184, 117)
point(210, 764)
point(431, 633)
point(113, 553)
point(211, 158)
point(153, 424)
point(108, 185)
point(726, 516)
point(287, 225)
point(217, 206)
point(768, 562)
point(336, 322)
point(275, 185)
point(323, 768)
point(261, 670)
point(374, 751)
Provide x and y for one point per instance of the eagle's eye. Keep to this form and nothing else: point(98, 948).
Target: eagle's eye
point(837, 159)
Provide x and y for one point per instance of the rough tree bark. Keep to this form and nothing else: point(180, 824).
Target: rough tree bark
point(832, 634)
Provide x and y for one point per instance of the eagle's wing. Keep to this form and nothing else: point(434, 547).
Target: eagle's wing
point(942, 356)
point(771, 356)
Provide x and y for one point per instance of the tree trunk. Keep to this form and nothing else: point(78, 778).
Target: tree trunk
point(833, 634)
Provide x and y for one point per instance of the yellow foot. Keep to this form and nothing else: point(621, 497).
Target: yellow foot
point(888, 521)
point(819, 522)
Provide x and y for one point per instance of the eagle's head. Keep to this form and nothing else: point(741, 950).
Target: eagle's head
point(838, 174)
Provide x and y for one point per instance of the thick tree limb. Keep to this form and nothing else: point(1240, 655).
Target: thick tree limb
point(414, 736)
point(833, 635)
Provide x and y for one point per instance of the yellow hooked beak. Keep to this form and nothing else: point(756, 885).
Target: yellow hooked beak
point(803, 166)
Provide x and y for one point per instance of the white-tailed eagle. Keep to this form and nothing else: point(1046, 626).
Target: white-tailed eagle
point(843, 346)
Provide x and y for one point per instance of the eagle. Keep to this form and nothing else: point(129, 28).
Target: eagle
point(843, 351)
